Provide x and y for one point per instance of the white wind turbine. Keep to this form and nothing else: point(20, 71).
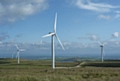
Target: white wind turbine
point(52, 34)
point(102, 50)
point(18, 52)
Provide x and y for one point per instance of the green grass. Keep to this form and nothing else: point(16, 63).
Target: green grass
point(102, 64)
point(40, 70)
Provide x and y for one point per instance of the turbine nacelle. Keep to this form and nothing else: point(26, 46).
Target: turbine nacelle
point(20, 49)
point(101, 45)
point(49, 34)
point(52, 33)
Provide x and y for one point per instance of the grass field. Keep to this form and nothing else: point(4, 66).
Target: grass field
point(40, 70)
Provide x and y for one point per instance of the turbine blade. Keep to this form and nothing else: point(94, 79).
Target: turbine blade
point(48, 35)
point(55, 23)
point(59, 41)
point(22, 50)
point(100, 43)
point(104, 43)
point(17, 46)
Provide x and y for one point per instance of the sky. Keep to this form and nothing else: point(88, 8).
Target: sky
point(80, 25)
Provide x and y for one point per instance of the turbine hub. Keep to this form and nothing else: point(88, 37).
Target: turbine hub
point(53, 33)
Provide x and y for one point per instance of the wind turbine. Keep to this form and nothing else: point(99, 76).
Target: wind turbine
point(52, 34)
point(102, 49)
point(18, 52)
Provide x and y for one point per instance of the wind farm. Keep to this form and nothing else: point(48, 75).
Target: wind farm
point(76, 47)
point(75, 67)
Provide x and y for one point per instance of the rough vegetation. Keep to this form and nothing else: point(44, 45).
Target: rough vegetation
point(40, 70)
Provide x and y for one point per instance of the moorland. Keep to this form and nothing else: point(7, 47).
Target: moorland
point(40, 70)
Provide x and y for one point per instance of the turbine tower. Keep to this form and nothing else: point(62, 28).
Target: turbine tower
point(18, 52)
point(53, 34)
point(102, 50)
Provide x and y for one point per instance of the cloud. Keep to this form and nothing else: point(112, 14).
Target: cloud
point(115, 35)
point(91, 37)
point(94, 38)
point(98, 7)
point(107, 17)
point(70, 48)
point(12, 10)
point(117, 14)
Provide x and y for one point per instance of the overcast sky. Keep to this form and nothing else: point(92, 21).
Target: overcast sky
point(80, 25)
